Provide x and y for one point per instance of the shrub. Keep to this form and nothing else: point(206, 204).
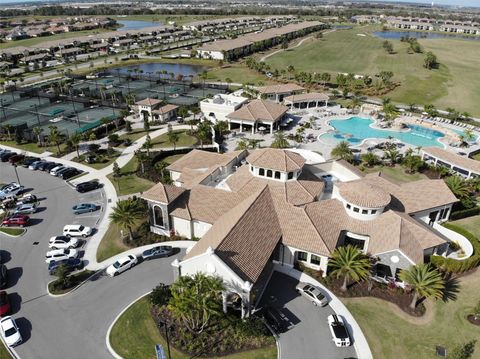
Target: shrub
point(451, 265)
point(160, 295)
point(465, 213)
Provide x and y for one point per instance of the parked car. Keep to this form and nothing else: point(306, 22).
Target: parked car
point(71, 172)
point(71, 264)
point(19, 220)
point(3, 275)
point(63, 170)
point(27, 161)
point(312, 293)
point(339, 331)
point(16, 158)
point(4, 304)
point(27, 198)
point(122, 265)
point(275, 319)
point(10, 332)
point(76, 230)
point(60, 254)
point(35, 165)
point(84, 208)
point(87, 186)
point(5, 156)
point(26, 209)
point(60, 242)
point(157, 252)
point(47, 166)
point(11, 190)
point(55, 170)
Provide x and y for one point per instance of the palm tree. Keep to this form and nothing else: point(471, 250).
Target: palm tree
point(75, 139)
point(125, 214)
point(458, 186)
point(7, 127)
point(37, 131)
point(370, 158)
point(279, 140)
point(221, 127)
point(54, 136)
point(147, 145)
point(173, 138)
point(342, 151)
point(392, 155)
point(141, 157)
point(424, 280)
point(242, 145)
point(350, 263)
point(355, 102)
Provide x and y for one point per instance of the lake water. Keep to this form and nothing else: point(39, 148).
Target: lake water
point(397, 35)
point(136, 25)
point(154, 67)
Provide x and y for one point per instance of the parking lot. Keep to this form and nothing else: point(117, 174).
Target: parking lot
point(308, 332)
point(25, 256)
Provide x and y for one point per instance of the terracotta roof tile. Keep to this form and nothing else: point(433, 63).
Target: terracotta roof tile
point(453, 158)
point(259, 110)
point(363, 194)
point(311, 96)
point(148, 102)
point(163, 193)
point(280, 88)
point(274, 159)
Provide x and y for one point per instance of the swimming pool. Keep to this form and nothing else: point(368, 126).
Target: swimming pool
point(356, 129)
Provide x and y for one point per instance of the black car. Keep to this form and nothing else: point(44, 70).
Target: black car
point(3, 276)
point(276, 320)
point(29, 160)
point(59, 172)
point(87, 186)
point(4, 157)
point(49, 166)
point(71, 264)
point(157, 252)
point(69, 173)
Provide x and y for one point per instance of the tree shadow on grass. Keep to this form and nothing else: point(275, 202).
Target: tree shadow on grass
point(452, 288)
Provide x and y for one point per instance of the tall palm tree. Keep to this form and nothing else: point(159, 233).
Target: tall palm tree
point(221, 127)
point(142, 158)
point(458, 186)
point(370, 158)
point(350, 263)
point(7, 127)
point(280, 140)
point(342, 151)
point(125, 215)
point(54, 136)
point(242, 145)
point(37, 132)
point(424, 280)
point(173, 138)
point(393, 156)
point(147, 145)
point(76, 138)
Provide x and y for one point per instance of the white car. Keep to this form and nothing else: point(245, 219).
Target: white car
point(55, 170)
point(28, 208)
point(312, 293)
point(122, 265)
point(60, 254)
point(11, 191)
point(62, 242)
point(339, 331)
point(76, 230)
point(10, 332)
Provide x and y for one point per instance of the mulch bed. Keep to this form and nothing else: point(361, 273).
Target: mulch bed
point(475, 321)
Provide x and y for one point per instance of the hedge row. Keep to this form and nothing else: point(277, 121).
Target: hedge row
point(465, 213)
point(458, 266)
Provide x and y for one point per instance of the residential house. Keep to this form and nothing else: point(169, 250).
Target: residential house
point(462, 166)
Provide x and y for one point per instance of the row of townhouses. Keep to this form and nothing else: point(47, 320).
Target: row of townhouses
point(460, 27)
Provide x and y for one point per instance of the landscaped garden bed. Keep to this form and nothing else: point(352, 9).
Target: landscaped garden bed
point(65, 284)
point(14, 232)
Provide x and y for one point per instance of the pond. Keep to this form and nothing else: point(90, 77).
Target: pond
point(154, 67)
point(136, 25)
point(397, 35)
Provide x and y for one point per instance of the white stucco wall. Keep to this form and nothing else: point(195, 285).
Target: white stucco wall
point(200, 228)
point(215, 55)
point(424, 215)
point(182, 227)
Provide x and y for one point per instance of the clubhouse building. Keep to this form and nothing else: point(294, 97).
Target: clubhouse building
point(254, 211)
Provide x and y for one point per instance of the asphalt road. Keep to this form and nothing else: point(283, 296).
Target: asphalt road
point(308, 334)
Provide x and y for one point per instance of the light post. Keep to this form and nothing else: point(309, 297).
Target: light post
point(166, 337)
point(16, 173)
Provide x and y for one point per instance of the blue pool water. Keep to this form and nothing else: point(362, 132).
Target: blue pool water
point(356, 129)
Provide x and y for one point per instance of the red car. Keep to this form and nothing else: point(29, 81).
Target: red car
point(15, 159)
point(19, 220)
point(4, 304)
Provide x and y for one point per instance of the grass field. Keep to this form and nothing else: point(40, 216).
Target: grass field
point(238, 73)
point(33, 147)
point(455, 83)
point(393, 334)
point(111, 244)
point(135, 334)
point(4, 354)
point(184, 140)
point(130, 183)
point(396, 173)
point(471, 224)
point(12, 231)
point(164, 19)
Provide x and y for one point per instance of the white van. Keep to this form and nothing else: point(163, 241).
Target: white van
point(76, 230)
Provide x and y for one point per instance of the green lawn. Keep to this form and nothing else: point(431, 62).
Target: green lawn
point(134, 135)
point(37, 40)
point(99, 165)
point(238, 73)
point(135, 334)
point(13, 231)
point(130, 183)
point(4, 354)
point(179, 19)
point(397, 173)
point(471, 224)
point(33, 147)
point(111, 244)
point(184, 140)
point(455, 83)
point(393, 334)
point(172, 158)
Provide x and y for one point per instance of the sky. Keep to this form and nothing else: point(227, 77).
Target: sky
point(475, 3)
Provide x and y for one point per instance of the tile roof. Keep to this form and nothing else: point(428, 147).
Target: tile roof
point(202, 160)
point(363, 194)
point(453, 158)
point(280, 88)
point(245, 237)
point(259, 110)
point(276, 159)
point(148, 102)
point(165, 109)
point(311, 96)
point(163, 193)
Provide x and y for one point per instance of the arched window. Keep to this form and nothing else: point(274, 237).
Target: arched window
point(158, 216)
point(261, 172)
point(269, 173)
point(290, 175)
point(277, 175)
